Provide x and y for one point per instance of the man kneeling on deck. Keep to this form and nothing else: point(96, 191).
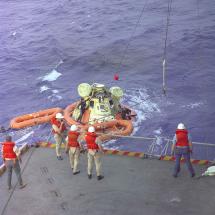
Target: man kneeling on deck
point(74, 148)
point(11, 157)
point(94, 152)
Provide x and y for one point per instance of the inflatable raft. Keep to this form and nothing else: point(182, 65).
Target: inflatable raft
point(98, 106)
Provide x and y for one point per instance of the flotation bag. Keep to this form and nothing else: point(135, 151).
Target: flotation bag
point(36, 118)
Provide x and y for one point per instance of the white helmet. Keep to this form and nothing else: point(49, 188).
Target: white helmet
point(91, 129)
point(181, 126)
point(73, 128)
point(59, 116)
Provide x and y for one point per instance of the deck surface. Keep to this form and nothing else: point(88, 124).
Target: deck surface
point(131, 186)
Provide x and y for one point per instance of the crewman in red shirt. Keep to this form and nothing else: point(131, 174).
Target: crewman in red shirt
point(74, 148)
point(95, 151)
point(11, 158)
point(60, 132)
point(182, 146)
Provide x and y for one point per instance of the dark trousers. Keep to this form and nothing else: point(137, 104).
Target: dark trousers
point(10, 166)
point(179, 152)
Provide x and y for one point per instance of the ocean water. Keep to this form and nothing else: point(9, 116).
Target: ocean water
point(49, 47)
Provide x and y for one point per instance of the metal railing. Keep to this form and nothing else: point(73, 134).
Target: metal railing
point(161, 146)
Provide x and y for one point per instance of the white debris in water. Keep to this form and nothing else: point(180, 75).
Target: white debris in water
point(24, 137)
point(52, 76)
point(14, 33)
point(44, 88)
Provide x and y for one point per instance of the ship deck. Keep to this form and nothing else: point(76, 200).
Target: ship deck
point(131, 186)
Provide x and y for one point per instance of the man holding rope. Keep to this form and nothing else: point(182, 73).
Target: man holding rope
point(60, 132)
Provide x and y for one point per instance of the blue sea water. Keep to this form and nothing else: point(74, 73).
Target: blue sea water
point(48, 47)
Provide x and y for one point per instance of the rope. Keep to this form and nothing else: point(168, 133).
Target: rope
point(165, 45)
point(132, 35)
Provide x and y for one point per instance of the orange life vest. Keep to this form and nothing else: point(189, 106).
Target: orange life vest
point(182, 138)
point(8, 152)
point(91, 141)
point(73, 139)
point(54, 121)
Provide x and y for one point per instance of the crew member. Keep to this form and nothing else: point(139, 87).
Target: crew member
point(182, 146)
point(83, 107)
point(60, 132)
point(95, 151)
point(11, 158)
point(74, 148)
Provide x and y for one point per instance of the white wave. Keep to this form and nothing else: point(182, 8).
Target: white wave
point(14, 33)
point(24, 137)
point(55, 91)
point(139, 100)
point(55, 97)
point(44, 88)
point(193, 105)
point(52, 76)
point(158, 131)
point(59, 63)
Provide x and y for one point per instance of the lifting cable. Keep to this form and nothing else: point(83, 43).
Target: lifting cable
point(132, 35)
point(199, 60)
point(165, 44)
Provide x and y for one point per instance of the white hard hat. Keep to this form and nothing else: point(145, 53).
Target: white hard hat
point(181, 126)
point(59, 116)
point(91, 129)
point(73, 128)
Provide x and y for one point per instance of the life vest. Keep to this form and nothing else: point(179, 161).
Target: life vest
point(54, 121)
point(182, 138)
point(73, 139)
point(91, 141)
point(8, 152)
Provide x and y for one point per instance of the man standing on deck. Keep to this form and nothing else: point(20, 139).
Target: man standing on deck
point(182, 146)
point(95, 151)
point(11, 158)
point(60, 133)
point(74, 148)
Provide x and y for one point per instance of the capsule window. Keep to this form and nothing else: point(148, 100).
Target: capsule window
point(102, 107)
point(91, 104)
point(111, 102)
